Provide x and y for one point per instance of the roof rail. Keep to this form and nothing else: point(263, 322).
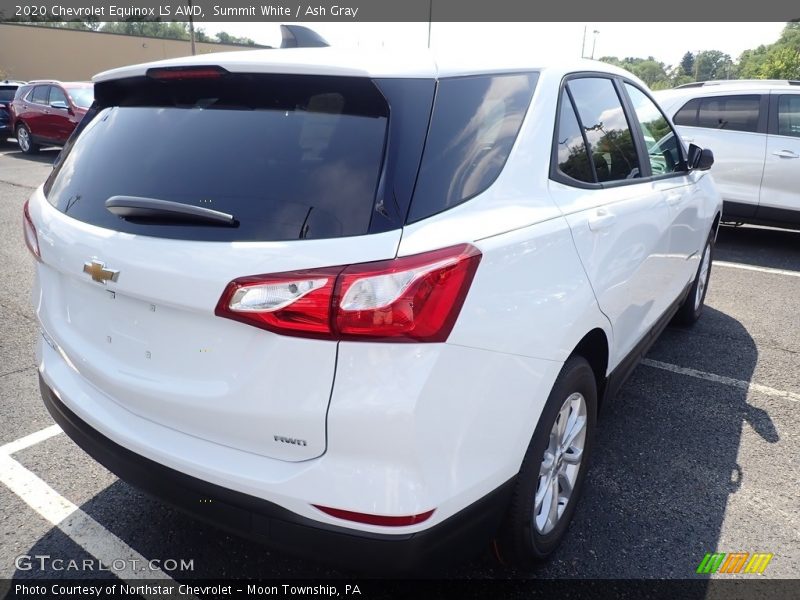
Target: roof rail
point(739, 82)
point(44, 81)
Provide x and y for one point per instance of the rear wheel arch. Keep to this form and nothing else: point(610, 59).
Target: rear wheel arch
point(595, 349)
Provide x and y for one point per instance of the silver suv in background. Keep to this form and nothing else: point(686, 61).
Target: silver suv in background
point(753, 127)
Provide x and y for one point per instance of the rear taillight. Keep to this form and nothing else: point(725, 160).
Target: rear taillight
point(31, 239)
point(414, 298)
point(297, 303)
point(195, 72)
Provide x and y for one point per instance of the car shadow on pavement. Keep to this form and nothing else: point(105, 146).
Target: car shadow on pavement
point(45, 155)
point(663, 470)
point(759, 247)
point(665, 462)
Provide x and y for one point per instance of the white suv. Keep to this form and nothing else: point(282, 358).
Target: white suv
point(361, 307)
point(753, 127)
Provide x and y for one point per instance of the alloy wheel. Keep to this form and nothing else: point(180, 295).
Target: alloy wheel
point(561, 464)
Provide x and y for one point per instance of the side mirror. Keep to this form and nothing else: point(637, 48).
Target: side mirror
point(700, 158)
point(59, 104)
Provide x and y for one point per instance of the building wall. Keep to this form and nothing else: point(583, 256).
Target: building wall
point(28, 52)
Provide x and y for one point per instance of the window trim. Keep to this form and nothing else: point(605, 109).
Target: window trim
point(772, 129)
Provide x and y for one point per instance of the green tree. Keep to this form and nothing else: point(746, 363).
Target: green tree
point(713, 64)
point(174, 31)
point(649, 70)
point(227, 38)
point(782, 62)
point(687, 64)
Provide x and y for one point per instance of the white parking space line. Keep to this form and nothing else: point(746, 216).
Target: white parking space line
point(736, 383)
point(30, 440)
point(722, 263)
point(124, 561)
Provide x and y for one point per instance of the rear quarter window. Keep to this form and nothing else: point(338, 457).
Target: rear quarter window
point(474, 125)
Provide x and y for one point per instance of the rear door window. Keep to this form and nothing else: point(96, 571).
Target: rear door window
point(732, 113)
point(606, 128)
point(288, 156)
point(687, 115)
point(40, 94)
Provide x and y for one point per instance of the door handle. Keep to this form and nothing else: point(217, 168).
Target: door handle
point(602, 219)
point(786, 154)
point(674, 199)
point(688, 140)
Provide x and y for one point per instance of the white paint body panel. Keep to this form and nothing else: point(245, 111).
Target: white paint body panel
point(402, 428)
point(780, 186)
point(738, 160)
point(151, 340)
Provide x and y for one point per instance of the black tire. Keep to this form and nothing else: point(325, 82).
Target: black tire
point(520, 542)
point(26, 144)
point(692, 306)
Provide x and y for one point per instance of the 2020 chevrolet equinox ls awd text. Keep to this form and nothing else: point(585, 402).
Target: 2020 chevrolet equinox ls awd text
point(359, 306)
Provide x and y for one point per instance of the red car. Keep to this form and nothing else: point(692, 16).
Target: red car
point(45, 113)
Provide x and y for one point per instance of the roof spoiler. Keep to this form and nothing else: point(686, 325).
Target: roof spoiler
point(297, 36)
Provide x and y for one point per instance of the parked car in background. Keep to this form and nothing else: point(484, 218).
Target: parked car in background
point(47, 112)
point(380, 330)
point(7, 91)
point(753, 127)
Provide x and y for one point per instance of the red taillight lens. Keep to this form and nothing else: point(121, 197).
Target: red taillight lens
point(414, 298)
point(199, 72)
point(31, 239)
point(296, 303)
point(369, 519)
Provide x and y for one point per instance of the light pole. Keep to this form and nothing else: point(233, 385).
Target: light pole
point(583, 43)
point(191, 26)
point(594, 41)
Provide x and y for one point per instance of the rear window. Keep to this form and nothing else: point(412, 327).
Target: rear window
point(7, 93)
point(473, 128)
point(289, 157)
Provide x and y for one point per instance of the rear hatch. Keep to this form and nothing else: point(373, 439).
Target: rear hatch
point(299, 165)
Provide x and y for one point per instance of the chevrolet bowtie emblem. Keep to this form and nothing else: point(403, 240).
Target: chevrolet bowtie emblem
point(97, 269)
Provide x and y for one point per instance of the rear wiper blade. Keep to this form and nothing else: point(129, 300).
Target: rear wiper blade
point(134, 207)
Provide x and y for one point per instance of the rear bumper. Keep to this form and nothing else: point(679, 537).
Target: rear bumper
point(266, 522)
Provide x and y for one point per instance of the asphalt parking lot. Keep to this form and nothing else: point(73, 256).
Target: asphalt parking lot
point(700, 452)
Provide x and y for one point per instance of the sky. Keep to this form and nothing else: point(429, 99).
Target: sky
point(667, 42)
